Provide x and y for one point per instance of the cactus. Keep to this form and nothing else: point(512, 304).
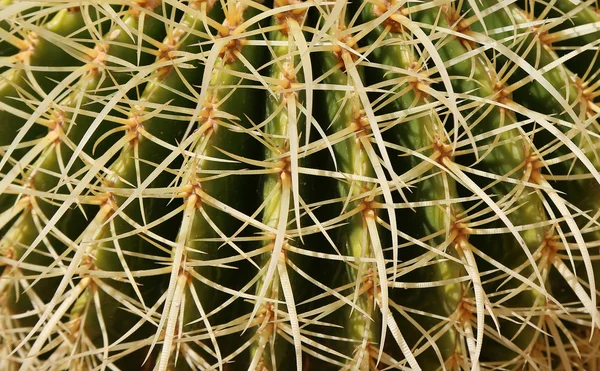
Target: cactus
point(243, 185)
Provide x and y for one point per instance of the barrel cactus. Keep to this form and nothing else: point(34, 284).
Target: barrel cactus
point(299, 185)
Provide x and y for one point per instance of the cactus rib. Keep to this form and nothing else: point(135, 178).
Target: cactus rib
point(294, 184)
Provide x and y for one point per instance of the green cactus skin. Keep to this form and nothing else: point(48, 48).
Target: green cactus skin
point(162, 88)
point(565, 88)
point(55, 156)
point(248, 185)
point(283, 132)
point(583, 19)
point(417, 134)
point(343, 109)
point(216, 140)
point(117, 44)
point(14, 84)
point(507, 155)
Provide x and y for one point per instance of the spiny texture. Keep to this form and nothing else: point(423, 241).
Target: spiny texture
point(247, 185)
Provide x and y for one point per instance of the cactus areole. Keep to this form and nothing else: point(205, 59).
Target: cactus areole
point(299, 185)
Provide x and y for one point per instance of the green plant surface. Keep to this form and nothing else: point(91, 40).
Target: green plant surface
point(283, 131)
point(505, 153)
point(248, 185)
point(343, 109)
point(20, 85)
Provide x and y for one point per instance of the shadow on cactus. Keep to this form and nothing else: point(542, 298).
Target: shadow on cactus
point(242, 185)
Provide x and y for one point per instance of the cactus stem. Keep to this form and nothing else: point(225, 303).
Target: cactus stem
point(366, 144)
point(131, 164)
point(53, 321)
